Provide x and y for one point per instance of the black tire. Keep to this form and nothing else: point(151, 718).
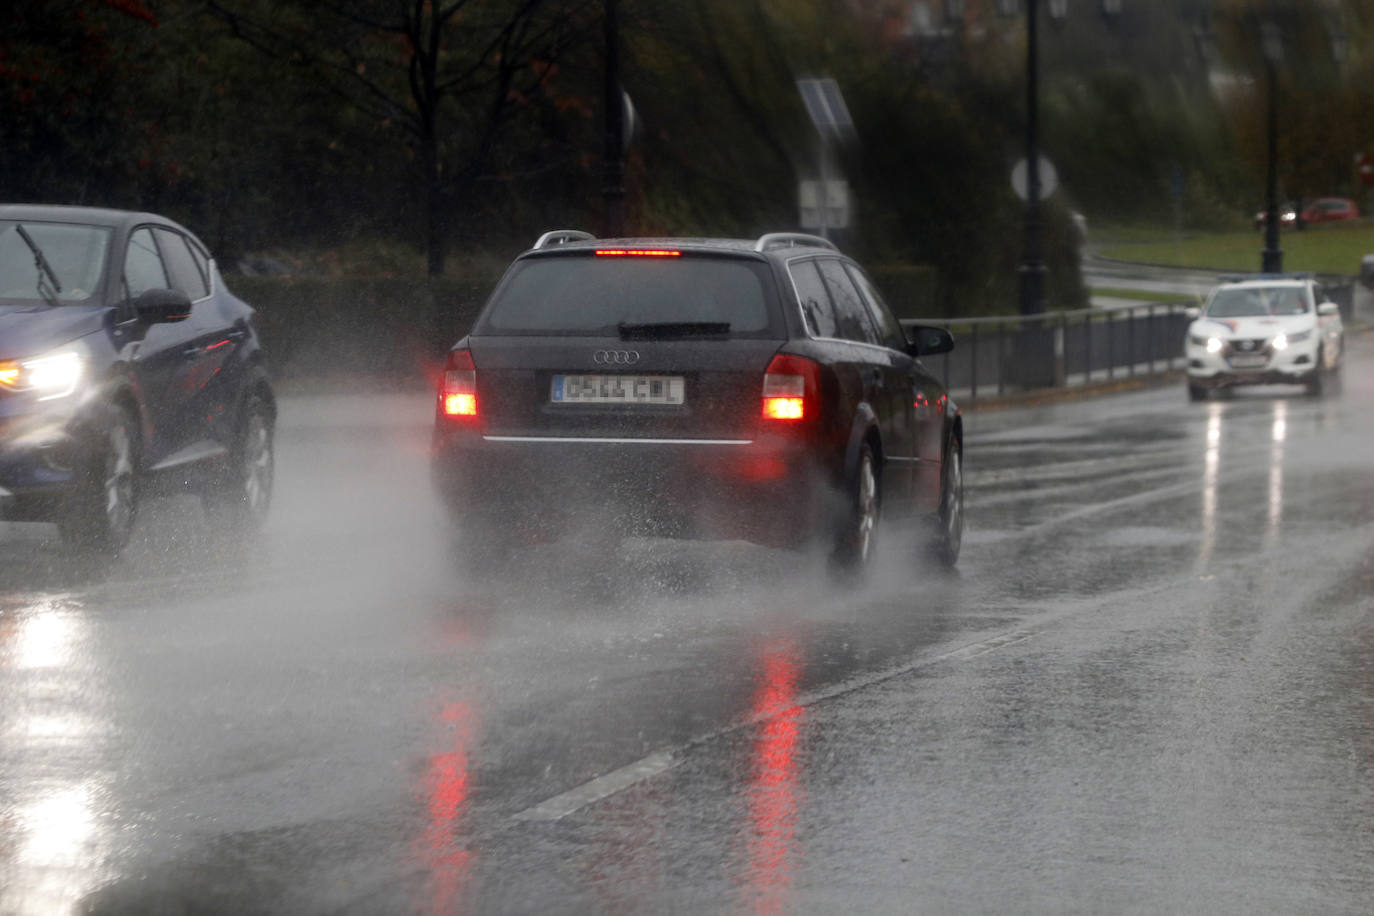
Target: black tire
point(1197, 393)
point(949, 536)
point(857, 533)
point(242, 493)
point(100, 514)
point(1316, 383)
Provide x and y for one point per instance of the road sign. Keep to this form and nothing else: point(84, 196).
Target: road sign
point(1020, 181)
point(836, 215)
point(826, 106)
point(1364, 167)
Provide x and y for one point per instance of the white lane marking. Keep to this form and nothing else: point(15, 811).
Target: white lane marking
point(603, 787)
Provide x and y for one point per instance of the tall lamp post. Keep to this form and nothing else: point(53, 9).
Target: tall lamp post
point(613, 149)
point(1032, 270)
point(1271, 259)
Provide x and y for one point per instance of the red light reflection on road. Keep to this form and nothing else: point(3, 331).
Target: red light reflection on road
point(773, 791)
point(447, 785)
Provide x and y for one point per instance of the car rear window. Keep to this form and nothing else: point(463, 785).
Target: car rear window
point(1257, 301)
point(592, 295)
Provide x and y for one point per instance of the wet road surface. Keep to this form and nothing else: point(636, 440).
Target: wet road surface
point(1149, 688)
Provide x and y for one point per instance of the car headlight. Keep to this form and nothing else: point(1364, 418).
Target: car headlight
point(1197, 341)
point(52, 375)
point(1280, 342)
point(1214, 345)
point(1298, 337)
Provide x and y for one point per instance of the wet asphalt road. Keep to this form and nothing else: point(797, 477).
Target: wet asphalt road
point(1149, 688)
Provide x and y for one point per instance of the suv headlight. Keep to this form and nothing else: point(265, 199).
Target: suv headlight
point(1299, 337)
point(50, 376)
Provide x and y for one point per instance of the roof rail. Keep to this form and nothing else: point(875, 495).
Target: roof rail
point(1286, 275)
point(562, 237)
point(792, 240)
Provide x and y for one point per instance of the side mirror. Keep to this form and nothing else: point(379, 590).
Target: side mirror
point(928, 340)
point(1328, 308)
point(161, 306)
point(1193, 313)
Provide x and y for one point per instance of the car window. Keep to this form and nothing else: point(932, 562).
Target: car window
point(75, 253)
point(143, 268)
point(889, 330)
point(185, 274)
point(850, 312)
point(1257, 301)
point(592, 295)
point(815, 303)
point(202, 258)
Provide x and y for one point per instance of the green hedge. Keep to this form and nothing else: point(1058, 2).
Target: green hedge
point(317, 329)
point(325, 330)
point(910, 290)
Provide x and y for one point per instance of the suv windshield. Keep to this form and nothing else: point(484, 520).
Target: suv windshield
point(596, 296)
point(75, 253)
point(1258, 301)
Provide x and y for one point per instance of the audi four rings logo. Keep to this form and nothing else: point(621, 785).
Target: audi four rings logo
point(615, 357)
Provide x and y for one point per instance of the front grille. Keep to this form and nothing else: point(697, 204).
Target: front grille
point(1247, 346)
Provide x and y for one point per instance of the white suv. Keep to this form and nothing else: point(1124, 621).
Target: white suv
point(1264, 331)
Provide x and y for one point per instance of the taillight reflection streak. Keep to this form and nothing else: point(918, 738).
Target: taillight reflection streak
point(773, 792)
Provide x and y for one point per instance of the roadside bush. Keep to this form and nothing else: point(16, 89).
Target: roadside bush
point(316, 330)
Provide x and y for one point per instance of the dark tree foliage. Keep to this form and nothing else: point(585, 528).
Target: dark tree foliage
point(445, 77)
point(74, 123)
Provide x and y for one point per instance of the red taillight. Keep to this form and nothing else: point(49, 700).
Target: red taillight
point(637, 253)
point(790, 387)
point(458, 396)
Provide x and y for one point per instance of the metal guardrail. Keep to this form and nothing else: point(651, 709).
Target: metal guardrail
point(1004, 355)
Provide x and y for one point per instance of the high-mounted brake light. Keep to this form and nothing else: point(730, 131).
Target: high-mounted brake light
point(789, 385)
point(458, 396)
point(637, 253)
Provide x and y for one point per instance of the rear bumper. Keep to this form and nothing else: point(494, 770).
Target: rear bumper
point(767, 492)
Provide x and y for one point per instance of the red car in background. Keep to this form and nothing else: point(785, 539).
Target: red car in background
point(1321, 210)
point(1330, 209)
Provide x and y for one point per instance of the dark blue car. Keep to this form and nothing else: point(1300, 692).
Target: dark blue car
point(126, 368)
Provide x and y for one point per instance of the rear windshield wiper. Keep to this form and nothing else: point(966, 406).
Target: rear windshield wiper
point(665, 330)
point(48, 285)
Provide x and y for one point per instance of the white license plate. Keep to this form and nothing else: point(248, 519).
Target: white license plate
point(617, 389)
point(1249, 362)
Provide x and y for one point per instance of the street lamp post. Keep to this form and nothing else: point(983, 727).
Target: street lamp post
point(1271, 259)
point(613, 150)
point(1032, 269)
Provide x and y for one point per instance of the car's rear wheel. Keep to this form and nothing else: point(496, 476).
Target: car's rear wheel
point(242, 495)
point(1197, 393)
point(949, 537)
point(1316, 382)
point(858, 531)
point(104, 504)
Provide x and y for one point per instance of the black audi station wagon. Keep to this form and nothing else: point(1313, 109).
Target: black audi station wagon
point(713, 388)
point(125, 366)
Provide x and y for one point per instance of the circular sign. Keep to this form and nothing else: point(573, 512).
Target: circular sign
point(1049, 178)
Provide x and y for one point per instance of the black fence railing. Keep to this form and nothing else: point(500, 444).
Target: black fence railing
point(1003, 355)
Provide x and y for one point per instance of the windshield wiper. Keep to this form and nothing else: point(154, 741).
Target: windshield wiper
point(48, 284)
point(665, 330)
